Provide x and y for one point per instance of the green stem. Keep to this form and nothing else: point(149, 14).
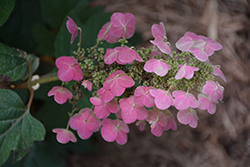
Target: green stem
point(46, 79)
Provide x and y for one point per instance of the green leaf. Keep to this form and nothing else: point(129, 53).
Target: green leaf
point(14, 64)
point(6, 7)
point(18, 129)
point(34, 62)
point(11, 64)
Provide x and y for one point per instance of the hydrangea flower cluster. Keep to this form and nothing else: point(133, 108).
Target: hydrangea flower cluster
point(146, 91)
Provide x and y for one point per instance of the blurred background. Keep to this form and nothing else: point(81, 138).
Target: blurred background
point(220, 140)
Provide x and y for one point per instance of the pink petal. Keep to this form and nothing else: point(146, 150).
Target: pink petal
point(125, 81)
point(125, 103)
point(109, 132)
point(101, 111)
point(76, 121)
point(129, 32)
point(102, 35)
point(117, 89)
point(157, 130)
point(149, 65)
point(87, 84)
point(94, 124)
point(218, 72)
point(184, 43)
point(117, 31)
point(199, 54)
point(163, 100)
point(171, 124)
point(192, 101)
point(84, 132)
point(54, 90)
point(129, 116)
point(95, 100)
point(113, 106)
point(141, 112)
point(211, 108)
point(193, 123)
point(106, 96)
point(189, 71)
point(184, 117)
point(163, 46)
point(111, 38)
point(118, 19)
point(122, 138)
point(203, 102)
point(130, 20)
point(181, 103)
point(149, 101)
point(78, 75)
point(158, 31)
point(162, 68)
point(123, 126)
point(181, 72)
point(73, 28)
point(65, 74)
point(110, 56)
point(64, 136)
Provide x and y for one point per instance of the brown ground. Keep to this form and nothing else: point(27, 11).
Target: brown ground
point(220, 140)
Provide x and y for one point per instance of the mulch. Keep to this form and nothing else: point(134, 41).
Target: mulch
point(220, 140)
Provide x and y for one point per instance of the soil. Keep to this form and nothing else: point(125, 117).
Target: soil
point(220, 140)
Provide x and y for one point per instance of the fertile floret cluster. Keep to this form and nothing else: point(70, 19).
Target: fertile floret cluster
point(156, 80)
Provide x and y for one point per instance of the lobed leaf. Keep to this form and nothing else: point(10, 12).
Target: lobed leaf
point(6, 7)
point(14, 64)
point(18, 129)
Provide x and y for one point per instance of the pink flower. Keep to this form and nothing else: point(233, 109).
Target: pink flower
point(122, 55)
point(141, 124)
point(64, 136)
point(117, 82)
point(201, 47)
point(104, 34)
point(158, 31)
point(163, 99)
point(103, 109)
point(122, 25)
point(218, 72)
point(85, 123)
point(187, 117)
point(186, 42)
point(171, 124)
point(185, 71)
point(73, 29)
point(160, 40)
point(214, 90)
point(105, 94)
point(206, 104)
point(131, 111)
point(87, 84)
point(184, 100)
point(61, 94)
point(69, 69)
point(143, 96)
point(157, 120)
point(114, 130)
point(157, 66)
